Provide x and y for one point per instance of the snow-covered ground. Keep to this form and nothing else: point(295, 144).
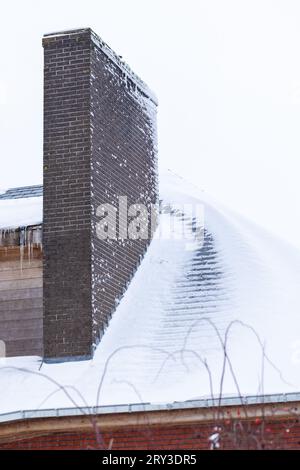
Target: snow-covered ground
point(165, 341)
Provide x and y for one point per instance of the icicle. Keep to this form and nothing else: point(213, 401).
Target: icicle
point(29, 246)
point(32, 241)
point(22, 245)
point(37, 239)
point(21, 257)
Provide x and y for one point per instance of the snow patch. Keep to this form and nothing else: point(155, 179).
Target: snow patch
point(15, 213)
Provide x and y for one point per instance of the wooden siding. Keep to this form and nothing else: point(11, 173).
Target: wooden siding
point(21, 299)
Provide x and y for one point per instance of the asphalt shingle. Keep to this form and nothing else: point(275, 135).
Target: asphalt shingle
point(23, 192)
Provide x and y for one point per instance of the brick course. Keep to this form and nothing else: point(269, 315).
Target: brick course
point(272, 434)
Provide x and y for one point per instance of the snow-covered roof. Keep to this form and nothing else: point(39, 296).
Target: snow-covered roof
point(165, 342)
point(21, 207)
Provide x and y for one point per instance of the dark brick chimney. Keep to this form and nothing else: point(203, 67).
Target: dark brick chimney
point(99, 144)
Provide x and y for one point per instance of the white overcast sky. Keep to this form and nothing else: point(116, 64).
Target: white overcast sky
point(227, 76)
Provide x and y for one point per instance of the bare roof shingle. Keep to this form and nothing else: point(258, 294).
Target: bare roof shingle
point(23, 192)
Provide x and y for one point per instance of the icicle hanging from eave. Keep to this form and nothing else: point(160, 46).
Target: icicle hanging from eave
point(22, 237)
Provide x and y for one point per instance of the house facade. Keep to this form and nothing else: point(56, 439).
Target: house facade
point(135, 311)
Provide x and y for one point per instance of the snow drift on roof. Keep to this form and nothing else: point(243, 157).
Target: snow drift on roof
point(165, 342)
point(20, 212)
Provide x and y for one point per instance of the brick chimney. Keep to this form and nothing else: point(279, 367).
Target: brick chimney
point(99, 145)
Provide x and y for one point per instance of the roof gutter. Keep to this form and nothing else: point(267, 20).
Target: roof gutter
point(27, 424)
point(146, 407)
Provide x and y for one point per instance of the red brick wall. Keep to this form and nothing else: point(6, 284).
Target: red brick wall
point(257, 434)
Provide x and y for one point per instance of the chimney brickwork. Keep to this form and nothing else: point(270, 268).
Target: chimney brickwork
point(99, 145)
